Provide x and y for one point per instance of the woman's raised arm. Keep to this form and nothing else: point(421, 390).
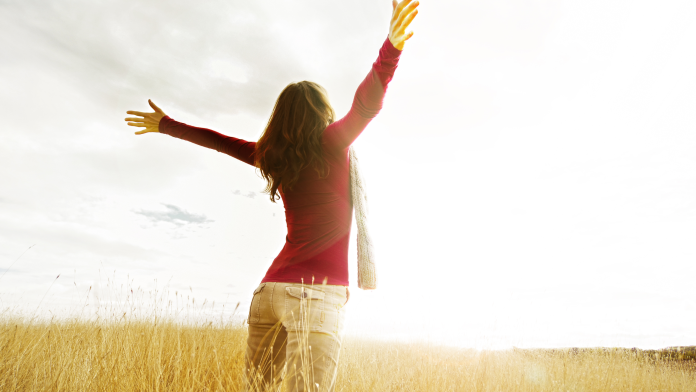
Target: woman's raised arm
point(370, 94)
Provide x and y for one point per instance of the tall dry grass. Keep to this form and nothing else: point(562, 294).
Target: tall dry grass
point(154, 355)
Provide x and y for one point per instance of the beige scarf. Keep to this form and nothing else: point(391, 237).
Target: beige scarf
point(367, 276)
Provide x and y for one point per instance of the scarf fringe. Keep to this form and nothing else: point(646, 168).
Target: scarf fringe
point(367, 274)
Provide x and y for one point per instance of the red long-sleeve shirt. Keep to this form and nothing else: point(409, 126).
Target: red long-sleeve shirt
point(318, 212)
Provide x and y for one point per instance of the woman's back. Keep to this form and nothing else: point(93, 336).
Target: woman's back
point(318, 211)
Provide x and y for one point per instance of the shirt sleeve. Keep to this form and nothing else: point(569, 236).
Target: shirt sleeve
point(367, 102)
point(235, 147)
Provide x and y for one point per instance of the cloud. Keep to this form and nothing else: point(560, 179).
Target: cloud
point(3, 271)
point(250, 194)
point(212, 57)
point(175, 215)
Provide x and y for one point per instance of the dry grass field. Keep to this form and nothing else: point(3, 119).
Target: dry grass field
point(123, 355)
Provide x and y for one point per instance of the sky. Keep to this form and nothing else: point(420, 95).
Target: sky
point(531, 177)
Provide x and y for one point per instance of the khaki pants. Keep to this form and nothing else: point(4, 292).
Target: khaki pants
point(295, 334)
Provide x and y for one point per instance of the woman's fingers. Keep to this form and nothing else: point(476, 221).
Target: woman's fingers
point(141, 120)
point(409, 19)
point(408, 36)
point(152, 105)
point(406, 12)
point(141, 114)
point(138, 125)
point(401, 6)
point(144, 131)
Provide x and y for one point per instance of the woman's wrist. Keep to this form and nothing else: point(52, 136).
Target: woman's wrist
point(389, 51)
point(162, 124)
point(394, 46)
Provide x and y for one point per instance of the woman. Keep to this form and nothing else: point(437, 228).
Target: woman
point(295, 330)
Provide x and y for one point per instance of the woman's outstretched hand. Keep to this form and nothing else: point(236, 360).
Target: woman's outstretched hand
point(149, 121)
point(402, 15)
